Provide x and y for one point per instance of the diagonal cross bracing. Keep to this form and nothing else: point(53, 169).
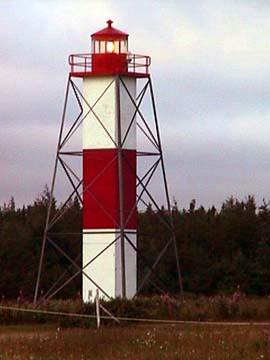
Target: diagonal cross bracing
point(142, 181)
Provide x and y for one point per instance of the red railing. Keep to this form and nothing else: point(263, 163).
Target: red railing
point(80, 63)
point(136, 64)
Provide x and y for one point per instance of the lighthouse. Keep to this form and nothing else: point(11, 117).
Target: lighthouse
point(112, 183)
point(109, 76)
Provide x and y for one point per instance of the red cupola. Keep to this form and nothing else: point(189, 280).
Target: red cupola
point(110, 56)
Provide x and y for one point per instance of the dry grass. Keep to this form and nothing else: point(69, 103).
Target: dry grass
point(185, 342)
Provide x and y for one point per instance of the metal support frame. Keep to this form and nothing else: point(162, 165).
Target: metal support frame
point(120, 184)
point(143, 188)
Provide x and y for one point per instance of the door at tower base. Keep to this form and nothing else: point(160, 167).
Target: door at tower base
point(102, 263)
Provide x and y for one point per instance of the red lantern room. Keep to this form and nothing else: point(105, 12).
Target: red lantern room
point(109, 48)
point(109, 40)
point(109, 56)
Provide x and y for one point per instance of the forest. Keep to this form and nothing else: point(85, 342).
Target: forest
point(218, 249)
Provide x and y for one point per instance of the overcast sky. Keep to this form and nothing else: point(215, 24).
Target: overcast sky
point(211, 79)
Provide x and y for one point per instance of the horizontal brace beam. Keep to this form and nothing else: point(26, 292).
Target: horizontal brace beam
point(72, 153)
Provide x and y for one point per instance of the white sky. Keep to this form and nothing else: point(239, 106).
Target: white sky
point(211, 78)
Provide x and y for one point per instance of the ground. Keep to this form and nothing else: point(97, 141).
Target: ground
point(141, 342)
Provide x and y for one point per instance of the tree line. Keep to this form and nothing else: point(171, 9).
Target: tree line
point(217, 249)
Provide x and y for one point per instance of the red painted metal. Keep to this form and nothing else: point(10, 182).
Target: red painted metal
point(84, 65)
point(112, 63)
point(101, 189)
point(109, 33)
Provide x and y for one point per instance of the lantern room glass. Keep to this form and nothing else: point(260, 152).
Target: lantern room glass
point(109, 46)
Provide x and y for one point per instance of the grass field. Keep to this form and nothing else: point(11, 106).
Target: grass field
point(183, 342)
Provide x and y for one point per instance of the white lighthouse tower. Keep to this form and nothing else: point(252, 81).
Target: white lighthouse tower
point(110, 186)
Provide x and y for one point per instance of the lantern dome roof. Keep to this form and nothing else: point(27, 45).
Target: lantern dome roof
point(109, 32)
